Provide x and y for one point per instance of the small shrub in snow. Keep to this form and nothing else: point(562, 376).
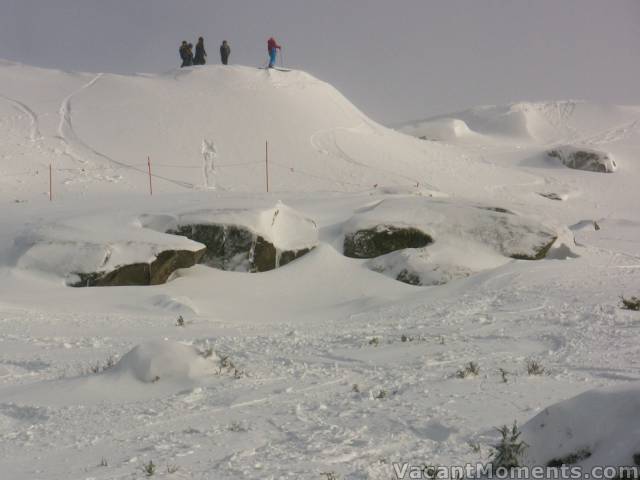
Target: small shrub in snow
point(101, 366)
point(380, 395)
point(632, 303)
point(534, 368)
point(503, 374)
point(509, 452)
point(469, 370)
point(103, 462)
point(180, 321)
point(329, 475)
point(375, 341)
point(355, 388)
point(227, 365)
point(172, 469)
point(475, 446)
point(149, 469)
point(236, 427)
point(570, 459)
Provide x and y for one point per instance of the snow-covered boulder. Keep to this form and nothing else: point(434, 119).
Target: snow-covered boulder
point(156, 361)
point(416, 267)
point(249, 240)
point(581, 158)
point(598, 427)
point(443, 221)
point(454, 239)
point(103, 251)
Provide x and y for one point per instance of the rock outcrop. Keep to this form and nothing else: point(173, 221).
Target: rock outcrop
point(237, 248)
point(586, 159)
point(383, 239)
point(154, 273)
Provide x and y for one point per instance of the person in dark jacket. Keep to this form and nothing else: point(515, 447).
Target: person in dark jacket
point(184, 53)
point(225, 51)
point(201, 54)
point(272, 47)
point(189, 55)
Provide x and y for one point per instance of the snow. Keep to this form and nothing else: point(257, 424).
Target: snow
point(602, 422)
point(327, 364)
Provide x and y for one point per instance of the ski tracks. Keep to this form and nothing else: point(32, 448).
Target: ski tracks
point(81, 152)
point(34, 130)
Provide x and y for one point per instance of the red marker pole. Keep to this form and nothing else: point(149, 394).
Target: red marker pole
point(50, 183)
point(149, 165)
point(266, 162)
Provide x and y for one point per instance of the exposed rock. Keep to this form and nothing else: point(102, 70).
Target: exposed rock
point(584, 159)
point(551, 196)
point(382, 239)
point(497, 209)
point(153, 273)
point(233, 247)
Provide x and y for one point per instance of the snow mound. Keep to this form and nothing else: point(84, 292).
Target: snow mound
point(544, 122)
point(88, 244)
point(418, 267)
point(467, 226)
point(582, 158)
point(599, 427)
point(164, 361)
point(178, 304)
point(443, 129)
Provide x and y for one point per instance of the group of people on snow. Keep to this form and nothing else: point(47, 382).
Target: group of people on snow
point(200, 57)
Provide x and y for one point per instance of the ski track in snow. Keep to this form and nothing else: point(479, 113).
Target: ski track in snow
point(34, 131)
point(81, 152)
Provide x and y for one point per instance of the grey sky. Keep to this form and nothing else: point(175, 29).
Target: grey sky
point(395, 59)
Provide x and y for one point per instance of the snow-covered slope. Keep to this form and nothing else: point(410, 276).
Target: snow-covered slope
point(202, 128)
point(326, 367)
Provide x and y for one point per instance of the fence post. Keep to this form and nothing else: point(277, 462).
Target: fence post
point(50, 183)
point(266, 162)
point(149, 165)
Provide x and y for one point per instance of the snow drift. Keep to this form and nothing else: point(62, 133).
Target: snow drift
point(598, 427)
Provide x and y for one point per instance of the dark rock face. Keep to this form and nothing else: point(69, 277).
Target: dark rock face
point(153, 273)
point(382, 239)
point(539, 252)
point(231, 247)
point(411, 278)
point(584, 159)
point(497, 209)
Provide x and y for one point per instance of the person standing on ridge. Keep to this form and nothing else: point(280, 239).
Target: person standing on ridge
point(188, 61)
point(201, 54)
point(272, 47)
point(184, 54)
point(225, 51)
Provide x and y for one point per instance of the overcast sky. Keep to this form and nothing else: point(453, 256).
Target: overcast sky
point(395, 59)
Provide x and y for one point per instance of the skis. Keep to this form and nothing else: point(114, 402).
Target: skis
point(280, 69)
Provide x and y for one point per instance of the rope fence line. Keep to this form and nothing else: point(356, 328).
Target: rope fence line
point(145, 169)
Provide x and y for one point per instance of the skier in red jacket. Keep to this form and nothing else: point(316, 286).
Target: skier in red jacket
point(272, 47)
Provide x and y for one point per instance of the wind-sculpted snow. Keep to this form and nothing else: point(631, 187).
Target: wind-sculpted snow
point(597, 428)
